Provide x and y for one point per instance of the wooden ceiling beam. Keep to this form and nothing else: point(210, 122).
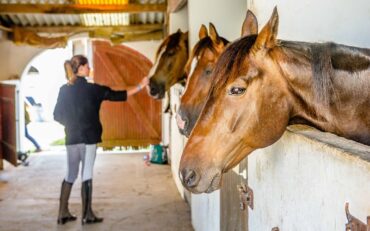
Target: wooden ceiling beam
point(76, 29)
point(155, 35)
point(81, 8)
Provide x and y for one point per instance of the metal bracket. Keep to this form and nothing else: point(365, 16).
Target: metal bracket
point(355, 224)
point(246, 196)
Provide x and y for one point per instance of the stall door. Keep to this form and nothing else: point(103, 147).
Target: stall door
point(136, 122)
point(8, 122)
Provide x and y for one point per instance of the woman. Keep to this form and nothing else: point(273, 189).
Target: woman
point(77, 108)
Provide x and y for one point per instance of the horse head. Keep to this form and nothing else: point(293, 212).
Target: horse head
point(170, 61)
point(235, 119)
point(199, 68)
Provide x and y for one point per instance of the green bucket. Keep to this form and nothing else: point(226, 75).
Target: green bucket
point(158, 154)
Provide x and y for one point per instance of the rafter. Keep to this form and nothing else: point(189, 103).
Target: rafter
point(80, 8)
point(76, 29)
point(155, 35)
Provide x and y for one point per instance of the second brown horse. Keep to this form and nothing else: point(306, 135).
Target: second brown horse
point(199, 68)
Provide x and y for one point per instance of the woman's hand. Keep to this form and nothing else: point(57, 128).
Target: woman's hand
point(144, 82)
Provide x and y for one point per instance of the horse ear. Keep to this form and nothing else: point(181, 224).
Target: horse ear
point(267, 37)
point(213, 33)
point(250, 24)
point(185, 35)
point(203, 32)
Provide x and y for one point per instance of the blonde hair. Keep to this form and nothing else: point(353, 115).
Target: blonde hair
point(71, 67)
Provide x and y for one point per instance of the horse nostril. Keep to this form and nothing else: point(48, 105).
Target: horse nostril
point(153, 90)
point(190, 178)
point(186, 123)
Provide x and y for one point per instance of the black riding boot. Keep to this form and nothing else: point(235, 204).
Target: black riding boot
point(64, 214)
point(88, 215)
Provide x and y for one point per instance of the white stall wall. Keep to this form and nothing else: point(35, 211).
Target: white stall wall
point(345, 22)
point(226, 15)
point(179, 20)
point(170, 133)
point(302, 184)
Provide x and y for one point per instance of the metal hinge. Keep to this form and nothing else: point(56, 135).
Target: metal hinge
point(246, 196)
point(355, 224)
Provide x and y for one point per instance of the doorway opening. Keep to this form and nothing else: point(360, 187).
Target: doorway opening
point(40, 83)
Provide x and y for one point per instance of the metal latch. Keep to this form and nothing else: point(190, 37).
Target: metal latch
point(246, 196)
point(355, 224)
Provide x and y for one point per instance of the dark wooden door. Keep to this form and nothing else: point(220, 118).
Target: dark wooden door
point(8, 122)
point(136, 122)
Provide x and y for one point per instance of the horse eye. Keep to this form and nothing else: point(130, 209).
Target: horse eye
point(171, 52)
point(208, 71)
point(236, 91)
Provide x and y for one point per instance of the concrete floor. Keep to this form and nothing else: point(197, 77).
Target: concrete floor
point(128, 194)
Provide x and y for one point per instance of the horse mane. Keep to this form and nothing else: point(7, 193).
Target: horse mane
point(200, 46)
point(325, 59)
point(230, 60)
point(322, 72)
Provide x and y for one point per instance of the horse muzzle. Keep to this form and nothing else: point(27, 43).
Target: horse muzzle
point(156, 90)
point(182, 125)
point(197, 183)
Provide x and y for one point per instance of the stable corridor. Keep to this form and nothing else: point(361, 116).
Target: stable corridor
point(128, 194)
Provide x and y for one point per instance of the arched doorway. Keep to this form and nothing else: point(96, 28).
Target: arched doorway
point(40, 83)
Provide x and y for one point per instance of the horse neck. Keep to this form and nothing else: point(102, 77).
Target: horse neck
point(343, 96)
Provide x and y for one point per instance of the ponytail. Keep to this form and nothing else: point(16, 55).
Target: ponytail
point(70, 75)
point(71, 67)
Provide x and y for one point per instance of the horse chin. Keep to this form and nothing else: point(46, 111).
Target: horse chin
point(215, 183)
point(157, 96)
point(161, 95)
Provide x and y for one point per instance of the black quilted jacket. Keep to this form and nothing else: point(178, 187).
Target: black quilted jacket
point(77, 108)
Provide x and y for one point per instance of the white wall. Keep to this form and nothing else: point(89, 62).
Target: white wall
point(179, 20)
point(226, 15)
point(345, 22)
point(172, 136)
point(303, 181)
point(146, 48)
point(14, 59)
point(205, 211)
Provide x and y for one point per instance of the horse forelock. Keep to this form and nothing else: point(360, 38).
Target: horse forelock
point(200, 47)
point(228, 64)
point(162, 47)
point(172, 41)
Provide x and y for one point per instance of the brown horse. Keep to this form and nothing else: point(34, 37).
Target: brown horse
point(169, 65)
point(201, 63)
point(261, 85)
point(199, 67)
